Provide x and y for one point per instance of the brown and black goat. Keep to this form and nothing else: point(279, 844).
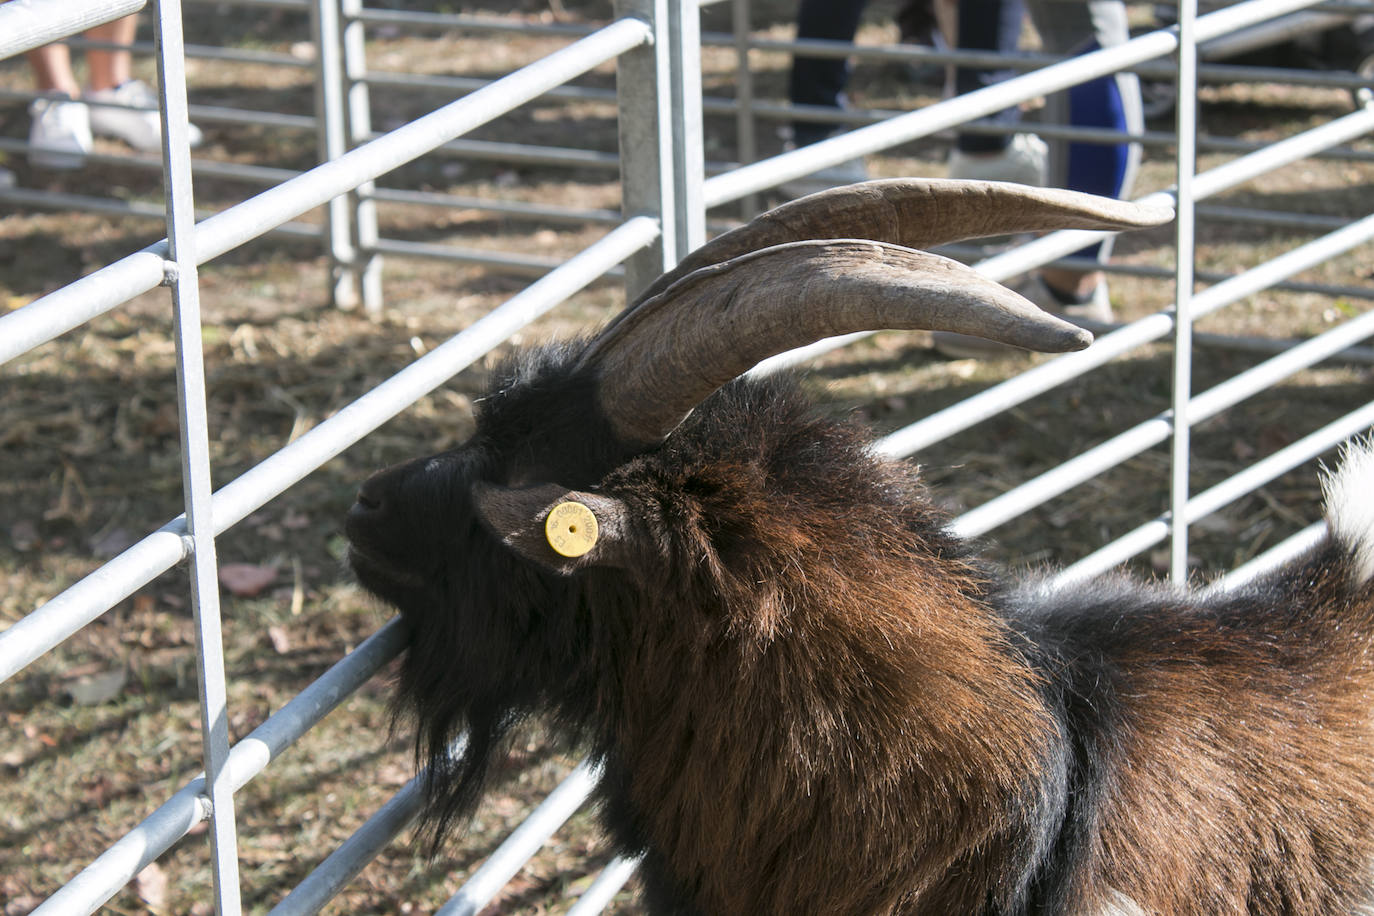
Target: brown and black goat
point(806, 695)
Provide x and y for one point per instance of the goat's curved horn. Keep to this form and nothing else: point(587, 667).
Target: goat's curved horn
point(657, 362)
point(917, 213)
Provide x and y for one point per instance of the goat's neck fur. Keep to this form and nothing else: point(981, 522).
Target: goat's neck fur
point(809, 697)
point(816, 666)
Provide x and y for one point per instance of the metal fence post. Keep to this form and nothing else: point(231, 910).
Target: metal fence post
point(1186, 113)
point(367, 266)
point(688, 139)
point(183, 278)
point(746, 140)
point(643, 89)
point(331, 124)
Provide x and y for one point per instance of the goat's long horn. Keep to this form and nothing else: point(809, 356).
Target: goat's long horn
point(672, 351)
point(917, 213)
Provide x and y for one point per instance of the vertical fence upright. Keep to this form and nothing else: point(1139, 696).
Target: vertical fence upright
point(746, 139)
point(1185, 251)
point(330, 127)
point(183, 278)
point(689, 141)
point(646, 141)
point(367, 263)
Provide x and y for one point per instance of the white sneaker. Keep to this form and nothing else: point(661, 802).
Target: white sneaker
point(1024, 161)
point(1097, 309)
point(1093, 313)
point(59, 134)
point(137, 121)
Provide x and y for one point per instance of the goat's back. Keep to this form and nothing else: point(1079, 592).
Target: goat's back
point(1223, 747)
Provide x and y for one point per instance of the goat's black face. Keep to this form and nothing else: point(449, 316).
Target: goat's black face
point(407, 520)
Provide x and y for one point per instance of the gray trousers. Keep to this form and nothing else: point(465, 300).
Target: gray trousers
point(1073, 27)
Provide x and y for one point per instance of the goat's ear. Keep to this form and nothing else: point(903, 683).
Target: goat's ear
point(560, 529)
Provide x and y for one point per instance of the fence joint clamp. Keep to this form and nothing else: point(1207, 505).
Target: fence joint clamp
point(170, 273)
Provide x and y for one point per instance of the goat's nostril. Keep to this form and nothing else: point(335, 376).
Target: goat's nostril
point(367, 501)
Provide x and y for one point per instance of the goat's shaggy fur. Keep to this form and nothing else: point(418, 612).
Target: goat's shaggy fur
point(809, 697)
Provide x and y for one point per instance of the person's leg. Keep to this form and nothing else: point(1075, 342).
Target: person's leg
point(59, 130)
point(52, 70)
point(988, 25)
point(822, 80)
point(111, 68)
point(131, 111)
point(1076, 27)
point(994, 25)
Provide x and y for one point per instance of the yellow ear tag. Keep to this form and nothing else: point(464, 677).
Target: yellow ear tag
point(571, 529)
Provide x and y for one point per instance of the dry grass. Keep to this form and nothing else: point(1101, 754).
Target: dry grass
point(99, 732)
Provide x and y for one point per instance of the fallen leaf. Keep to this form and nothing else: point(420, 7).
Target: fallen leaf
point(25, 903)
point(281, 641)
point(99, 688)
point(246, 579)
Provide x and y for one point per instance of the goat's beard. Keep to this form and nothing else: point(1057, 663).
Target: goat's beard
point(455, 750)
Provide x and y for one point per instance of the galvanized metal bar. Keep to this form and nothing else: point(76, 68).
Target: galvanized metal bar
point(63, 615)
point(28, 24)
point(407, 19)
point(343, 864)
point(138, 209)
point(45, 628)
point(288, 465)
point(515, 208)
point(1214, 498)
point(1207, 184)
point(523, 843)
point(746, 140)
point(352, 856)
point(1045, 376)
point(367, 264)
point(245, 221)
point(510, 262)
point(234, 170)
point(177, 816)
point(331, 125)
point(201, 52)
point(272, 4)
point(1082, 467)
point(603, 890)
point(1024, 61)
point(98, 292)
point(688, 139)
point(643, 83)
point(197, 488)
point(1185, 111)
point(944, 115)
point(1035, 381)
point(530, 154)
point(1284, 552)
point(461, 85)
point(92, 596)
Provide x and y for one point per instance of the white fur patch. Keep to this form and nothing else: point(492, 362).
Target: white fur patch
point(1121, 905)
point(1349, 493)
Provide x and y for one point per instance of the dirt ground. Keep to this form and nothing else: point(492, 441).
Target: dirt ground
point(98, 733)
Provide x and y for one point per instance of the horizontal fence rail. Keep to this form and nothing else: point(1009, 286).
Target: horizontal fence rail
point(665, 218)
point(27, 24)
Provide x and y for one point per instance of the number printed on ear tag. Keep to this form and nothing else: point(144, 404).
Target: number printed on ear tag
point(571, 529)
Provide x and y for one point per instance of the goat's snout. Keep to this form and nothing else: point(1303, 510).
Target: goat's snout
point(368, 498)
